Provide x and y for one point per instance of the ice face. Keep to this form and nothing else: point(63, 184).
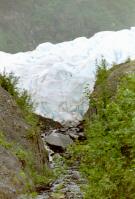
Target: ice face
point(58, 75)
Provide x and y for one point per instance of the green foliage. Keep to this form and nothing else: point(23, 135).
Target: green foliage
point(101, 73)
point(23, 156)
point(28, 165)
point(9, 83)
point(4, 143)
point(42, 179)
point(107, 158)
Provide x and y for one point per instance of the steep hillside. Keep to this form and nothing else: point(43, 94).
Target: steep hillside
point(107, 156)
point(25, 24)
point(23, 159)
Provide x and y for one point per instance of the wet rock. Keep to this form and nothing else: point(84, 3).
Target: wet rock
point(76, 134)
point(47, 124)
point(72, 191)
point(81, 136)
point(73, 135)
point(68, 183)
point(58, 140)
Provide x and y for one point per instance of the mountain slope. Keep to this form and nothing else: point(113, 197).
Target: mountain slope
point(25, 24)
point(107, 156)
point(22, 158)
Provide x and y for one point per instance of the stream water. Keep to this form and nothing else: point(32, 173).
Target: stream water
point(69, 181)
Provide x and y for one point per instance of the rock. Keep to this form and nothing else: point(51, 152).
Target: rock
point(13, 136)
point(75, 175)
point(81, 136)
point(47, 124)
point(112, 83)
point(73, 191)
point(73, 136)
point(58, 140)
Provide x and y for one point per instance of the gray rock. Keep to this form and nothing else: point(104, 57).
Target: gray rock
point(73, 136)
point(58, 139)
point(75, 175)
point(43, 196)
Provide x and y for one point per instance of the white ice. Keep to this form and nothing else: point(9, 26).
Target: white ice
point(57, 75)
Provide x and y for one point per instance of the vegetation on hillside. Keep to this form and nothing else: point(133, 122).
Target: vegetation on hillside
point(29, 172)
point(107, 157)
point(9, 83)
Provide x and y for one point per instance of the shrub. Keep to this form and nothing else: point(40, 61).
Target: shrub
point(9, 82)
point(107, 158)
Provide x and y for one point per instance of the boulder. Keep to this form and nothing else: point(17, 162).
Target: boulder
point(58, 140)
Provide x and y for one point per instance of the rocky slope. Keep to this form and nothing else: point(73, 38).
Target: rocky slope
point(115, 74)
point(14, 146)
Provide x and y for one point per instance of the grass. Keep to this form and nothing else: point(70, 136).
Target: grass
point(4, 143)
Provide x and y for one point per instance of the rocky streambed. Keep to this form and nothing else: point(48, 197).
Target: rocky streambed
point(69, 181)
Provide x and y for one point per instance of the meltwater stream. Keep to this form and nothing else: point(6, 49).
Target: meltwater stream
point(58, 75)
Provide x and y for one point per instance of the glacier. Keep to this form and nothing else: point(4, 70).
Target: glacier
point(58, 76)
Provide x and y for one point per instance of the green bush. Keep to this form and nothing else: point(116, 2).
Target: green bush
point(9, 82)
point(107, 158)
point(42, 179)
